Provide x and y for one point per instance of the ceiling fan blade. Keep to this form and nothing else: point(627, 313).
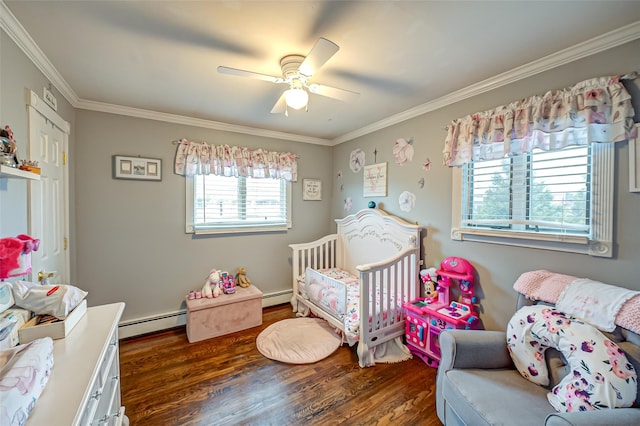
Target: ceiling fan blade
point(320, 53)
point(280, 106)
point(333, 92)
point(250, 74)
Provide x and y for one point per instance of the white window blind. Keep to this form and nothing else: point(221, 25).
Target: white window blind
point(537, 192)
point(555, 200)
point(237, 204)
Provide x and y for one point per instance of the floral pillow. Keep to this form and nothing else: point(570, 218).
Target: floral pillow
point(600, 374)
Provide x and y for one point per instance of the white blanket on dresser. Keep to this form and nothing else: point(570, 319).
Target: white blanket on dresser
point(595, 302)
point(24, 372)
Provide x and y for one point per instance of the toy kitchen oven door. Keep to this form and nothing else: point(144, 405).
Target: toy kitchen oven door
point(427, 317)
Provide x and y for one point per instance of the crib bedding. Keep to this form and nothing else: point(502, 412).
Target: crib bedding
point(342, 303)
point(321, 289)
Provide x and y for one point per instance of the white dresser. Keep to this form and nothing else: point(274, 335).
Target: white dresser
point(84, 387)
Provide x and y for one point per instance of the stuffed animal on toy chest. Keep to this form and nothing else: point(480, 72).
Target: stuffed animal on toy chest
point(211, 288)
point(241, 278)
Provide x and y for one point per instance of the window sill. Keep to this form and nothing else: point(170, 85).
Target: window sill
point(253, 230)
point(564, 243)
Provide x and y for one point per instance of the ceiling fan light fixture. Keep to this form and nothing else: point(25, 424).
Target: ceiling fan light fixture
point(296, 98)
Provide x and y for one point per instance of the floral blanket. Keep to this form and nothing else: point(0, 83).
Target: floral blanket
point(343, 303)
point(600, 375)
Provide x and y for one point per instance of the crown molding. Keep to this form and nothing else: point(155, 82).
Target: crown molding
point(19, 35)
point(196, 122)
point(23, 40)
point(590, 47)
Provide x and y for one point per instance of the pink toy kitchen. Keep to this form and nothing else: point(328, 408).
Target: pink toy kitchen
point(427, 316)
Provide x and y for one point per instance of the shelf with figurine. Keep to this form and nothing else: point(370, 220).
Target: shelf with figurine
point(9, 164)
point(15, 173)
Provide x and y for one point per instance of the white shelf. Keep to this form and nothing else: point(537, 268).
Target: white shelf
point(12, 172)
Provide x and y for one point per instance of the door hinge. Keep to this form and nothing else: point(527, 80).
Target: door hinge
point(66, 243)
point(64, 158)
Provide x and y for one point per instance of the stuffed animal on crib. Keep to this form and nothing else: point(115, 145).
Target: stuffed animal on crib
point(210, 288)
point(241, 277)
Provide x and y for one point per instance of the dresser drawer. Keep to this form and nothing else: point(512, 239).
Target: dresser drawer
point(84, 386)
point(105, 387)
point(110, 395)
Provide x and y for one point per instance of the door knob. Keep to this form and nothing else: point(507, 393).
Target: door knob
point(44, 275)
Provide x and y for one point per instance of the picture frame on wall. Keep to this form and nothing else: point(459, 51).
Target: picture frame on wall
point(634, 162)
point(311, 189)
point(375, 180)
point(137, 168)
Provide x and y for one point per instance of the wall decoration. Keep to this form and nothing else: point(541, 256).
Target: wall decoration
point(311, 189)
point(348, 204)
point(137, 168)
point(403, 150)
point(634, 162)
point(421, 183)
point(49, 99)
point(356, 160)
point(407, 201)
point(426, 166)
point(375, 180)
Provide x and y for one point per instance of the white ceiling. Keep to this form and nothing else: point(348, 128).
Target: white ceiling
point(403, 57)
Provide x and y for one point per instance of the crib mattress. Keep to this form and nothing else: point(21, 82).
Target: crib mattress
point(347, 310)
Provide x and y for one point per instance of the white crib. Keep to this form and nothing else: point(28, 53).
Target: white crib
point(383, 252)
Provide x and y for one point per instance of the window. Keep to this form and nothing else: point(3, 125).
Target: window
point(557, 200)
point(221, 204)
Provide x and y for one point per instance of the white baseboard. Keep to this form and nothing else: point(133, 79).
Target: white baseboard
point(144, 325)
point(277, 298)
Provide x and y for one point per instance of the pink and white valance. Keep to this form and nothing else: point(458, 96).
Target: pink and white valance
point(199, 158)
point(595, 110)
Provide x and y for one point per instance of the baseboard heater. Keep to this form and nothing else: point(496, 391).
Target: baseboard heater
point(150, 324)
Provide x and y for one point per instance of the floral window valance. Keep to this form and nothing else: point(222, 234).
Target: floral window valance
point(199, 158)
point(595, 110)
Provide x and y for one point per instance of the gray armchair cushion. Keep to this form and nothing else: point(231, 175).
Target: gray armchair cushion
point(495, 397)
point(475, 378)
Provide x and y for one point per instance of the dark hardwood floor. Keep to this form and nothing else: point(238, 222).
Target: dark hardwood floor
point(168, 381)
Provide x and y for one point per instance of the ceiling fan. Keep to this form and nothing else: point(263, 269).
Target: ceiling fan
point(297, 71)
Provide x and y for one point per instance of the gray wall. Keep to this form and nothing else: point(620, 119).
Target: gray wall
point(17, 74)
point(128, 241)
point(498, 266)
point(131, 241)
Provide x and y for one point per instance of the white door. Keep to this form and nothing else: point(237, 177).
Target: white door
point(48, 197)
